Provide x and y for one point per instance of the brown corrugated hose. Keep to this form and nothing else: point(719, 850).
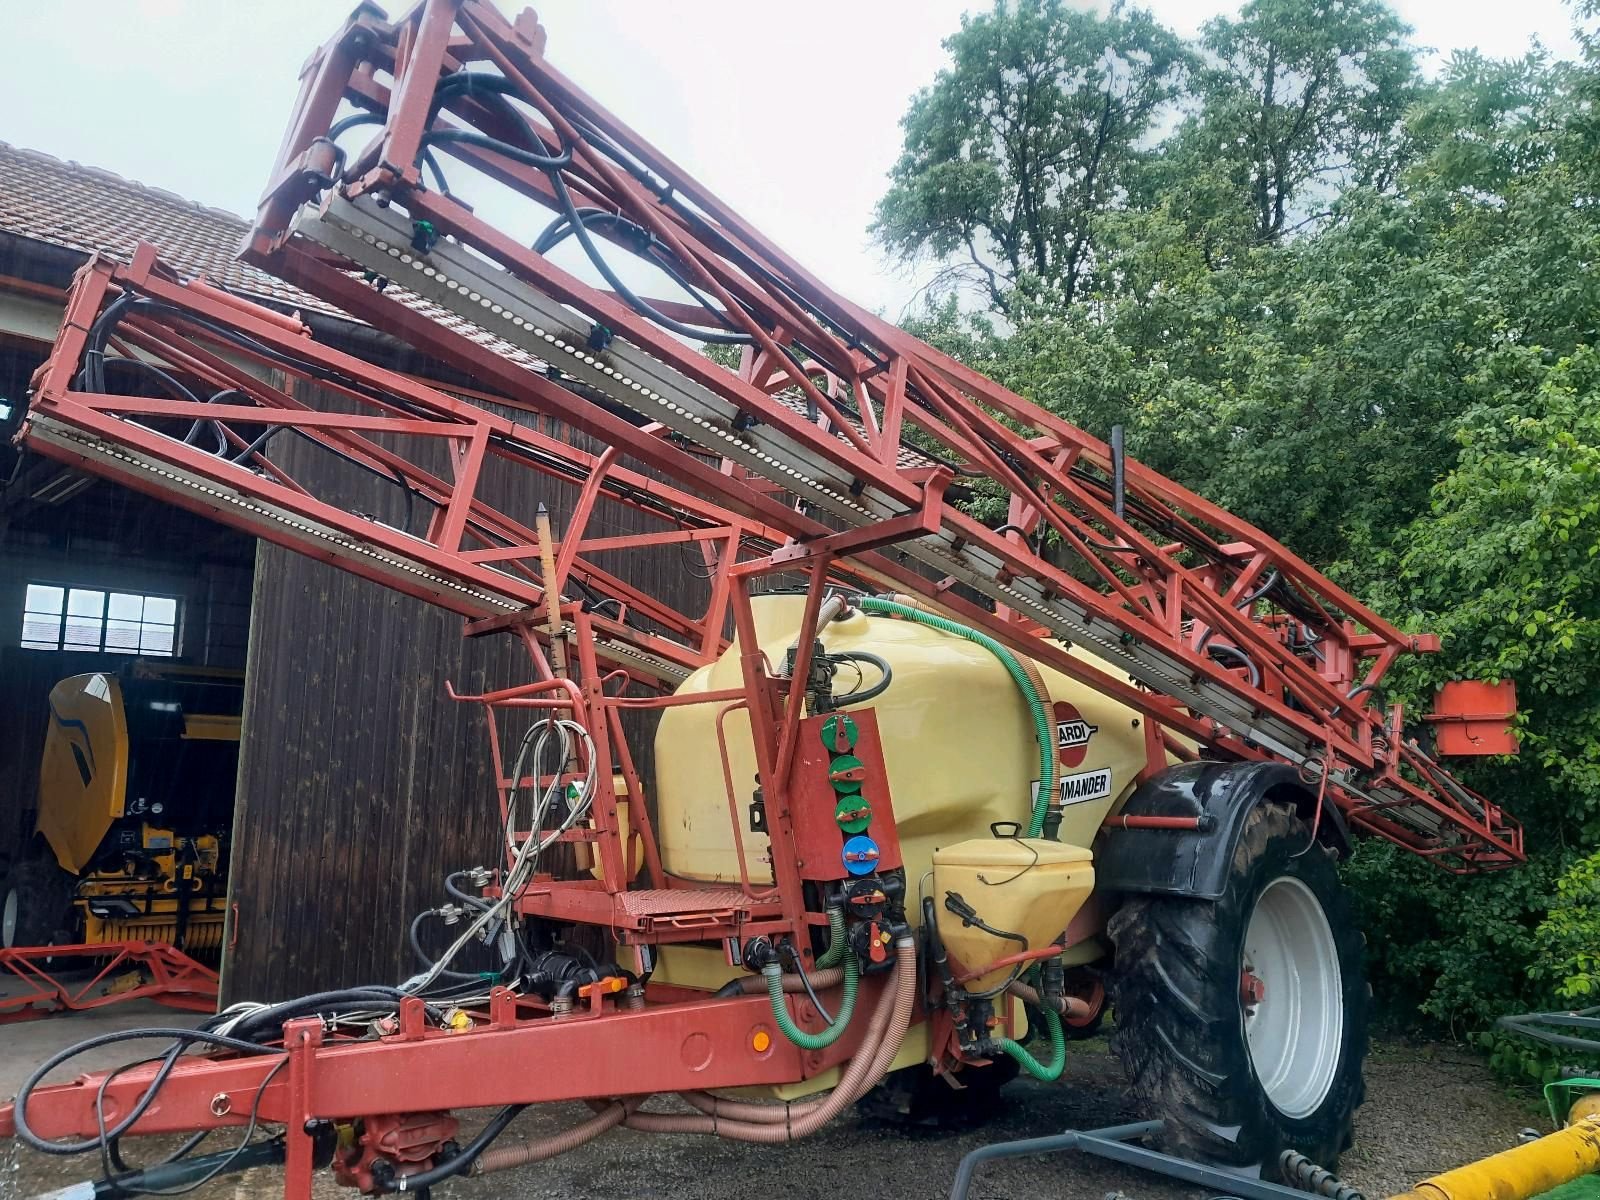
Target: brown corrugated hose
point(775, 1123)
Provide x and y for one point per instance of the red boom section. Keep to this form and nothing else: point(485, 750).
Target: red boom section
point(1227, 637)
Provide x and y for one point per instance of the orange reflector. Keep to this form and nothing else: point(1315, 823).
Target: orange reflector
point(761, 1041)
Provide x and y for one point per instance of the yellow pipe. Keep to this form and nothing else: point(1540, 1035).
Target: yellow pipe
point(1523, 1171)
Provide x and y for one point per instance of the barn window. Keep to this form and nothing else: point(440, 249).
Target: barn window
point(55, 617)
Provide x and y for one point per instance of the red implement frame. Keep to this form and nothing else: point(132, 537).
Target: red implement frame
point(166, 975)
point(1232, 640)
point(839, 452)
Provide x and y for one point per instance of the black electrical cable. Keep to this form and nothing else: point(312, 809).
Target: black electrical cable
point(218, 1164)
point(805, 982)
point(183, 1037)
point(956, 904)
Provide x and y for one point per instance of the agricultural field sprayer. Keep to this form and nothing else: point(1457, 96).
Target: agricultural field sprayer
point(928, 792)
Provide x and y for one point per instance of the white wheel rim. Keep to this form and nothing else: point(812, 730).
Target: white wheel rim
point(8, 920)
point(1296, 1028)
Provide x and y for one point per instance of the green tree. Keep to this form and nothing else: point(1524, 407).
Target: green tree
point(1299, 100)
point(1408, 395)
point(1033, 131)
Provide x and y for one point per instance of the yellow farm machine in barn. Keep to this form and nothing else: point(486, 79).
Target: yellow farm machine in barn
point(135, 804)
point(928, 793)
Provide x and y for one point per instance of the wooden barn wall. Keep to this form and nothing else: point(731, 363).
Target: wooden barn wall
point(361, 783)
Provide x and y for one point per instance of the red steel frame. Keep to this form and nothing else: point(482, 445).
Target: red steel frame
point(900, 422)
point(171, 978)
point(1145, 587)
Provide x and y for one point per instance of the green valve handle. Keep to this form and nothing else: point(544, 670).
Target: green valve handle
point(853, 813)
point(839, 733)
point(846, 773)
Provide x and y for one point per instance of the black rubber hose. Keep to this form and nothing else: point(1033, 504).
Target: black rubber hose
point(425, 156)
point(639, 305)
point(1227, 650)
point(270, 1020)
point(93, 373)
point(180, 1038)
point(721, 243)
point(649, 248)
point(471, 137)
point(936, 952)
point(811, 992)
point(456, 893)
point(469, 1155)
point(553, 165)
point(101, 329)
point(422, 955)
point(864, 694)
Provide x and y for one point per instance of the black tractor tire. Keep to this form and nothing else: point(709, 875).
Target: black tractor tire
point(36, 902)
point(1181, 1018)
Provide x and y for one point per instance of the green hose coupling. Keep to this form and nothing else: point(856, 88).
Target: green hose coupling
point(1043, 730)
point(836, 940)
point(773, 974)
point(1051, 1071)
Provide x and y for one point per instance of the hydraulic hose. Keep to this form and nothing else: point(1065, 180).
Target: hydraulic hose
point(1051, 1071)
point(1019, 676)
point(428, 963)
point(773, 974)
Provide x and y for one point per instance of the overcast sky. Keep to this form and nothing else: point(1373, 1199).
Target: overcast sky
point(756, 98)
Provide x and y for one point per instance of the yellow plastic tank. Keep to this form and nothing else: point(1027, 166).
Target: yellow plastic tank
point(958, 745)
point(1027, 886)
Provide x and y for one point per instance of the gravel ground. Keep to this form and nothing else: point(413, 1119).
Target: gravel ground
point(1429, 1107)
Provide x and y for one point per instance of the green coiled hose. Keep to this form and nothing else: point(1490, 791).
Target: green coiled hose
point(773, 974)
point(1051, 1071)
point(1036, 706)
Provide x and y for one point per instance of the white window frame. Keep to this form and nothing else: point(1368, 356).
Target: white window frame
point(105, 620)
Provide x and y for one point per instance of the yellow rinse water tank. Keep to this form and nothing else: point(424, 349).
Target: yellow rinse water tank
point(1026, 886)
point(958, 746)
